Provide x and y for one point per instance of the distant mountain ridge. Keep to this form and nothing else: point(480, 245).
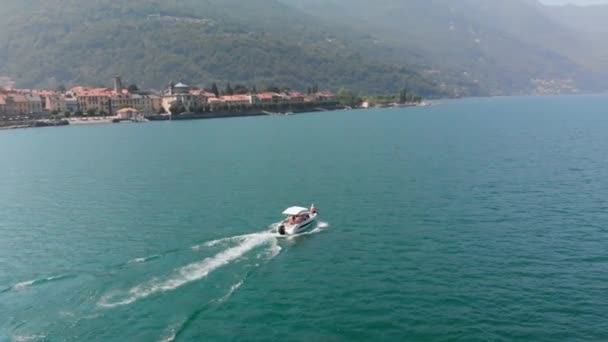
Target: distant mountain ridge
point(592, 18)
point(505, 45)
point(433, 47)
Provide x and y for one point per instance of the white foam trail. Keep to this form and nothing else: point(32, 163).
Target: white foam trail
point(191, 272)
point(274, 250)
point(169, 338)
point(238, 238)
point(221, 241)
point(22, 285)
point(143, 260)
point(25, 284)
point(232, 289)
point(28, 338)
point(63, 313)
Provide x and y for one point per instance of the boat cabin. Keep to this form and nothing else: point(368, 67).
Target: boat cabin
point(296, 214)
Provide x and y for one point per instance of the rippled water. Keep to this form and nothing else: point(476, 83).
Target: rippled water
point(481, 219)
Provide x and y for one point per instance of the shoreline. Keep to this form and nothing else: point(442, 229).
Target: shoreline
point(87, 121)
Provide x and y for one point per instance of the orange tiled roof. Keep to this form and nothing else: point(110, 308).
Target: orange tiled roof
point(235, 98)
point(46, 92)
point(266, 96)
point(99, 92)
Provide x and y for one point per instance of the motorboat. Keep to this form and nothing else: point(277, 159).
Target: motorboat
point(298, 219)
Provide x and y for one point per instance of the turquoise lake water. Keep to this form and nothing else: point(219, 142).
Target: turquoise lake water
point(473, 220)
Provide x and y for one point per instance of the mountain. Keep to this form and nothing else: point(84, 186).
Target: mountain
point(433, 47)
point(584, 18)
point(589, 23)
point(152, 42)
point(505, 45)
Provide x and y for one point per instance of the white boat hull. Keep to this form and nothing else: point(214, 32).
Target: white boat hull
point(292, 229)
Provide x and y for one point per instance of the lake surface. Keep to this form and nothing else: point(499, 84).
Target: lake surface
point(478, 219)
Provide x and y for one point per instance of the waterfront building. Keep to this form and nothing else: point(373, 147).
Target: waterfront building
point(268, 98)
point(148, 104)
point(55, 102)
point(21, 103)
point(110, 101)
point(296, 97)
point(34, 104)
point(151, 103)
point(214, 101)
point(71, 103)
point(184, 94)
point(61, 102)
point(326, 97)
point(237, 99)
point(3, 105)
point(17, 104)
point(97, 99)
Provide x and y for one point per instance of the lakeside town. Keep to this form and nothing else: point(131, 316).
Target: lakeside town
point(90, 105)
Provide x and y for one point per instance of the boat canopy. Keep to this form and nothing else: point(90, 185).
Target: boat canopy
point(295, 211)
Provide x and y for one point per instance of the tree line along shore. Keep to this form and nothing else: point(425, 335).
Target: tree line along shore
point(85, 105)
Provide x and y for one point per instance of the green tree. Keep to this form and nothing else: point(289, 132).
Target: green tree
point(241, 89)
point(133, 88)
point(91, 112)
point(161, 110)
point(103, 113)
point(177, 108)
point(254, 90)
point(273, 89)
point(61, 88)
point(78, 113)
point(403, 96)
point(54, 114)
point(348, 98)
point(67, 114)
point(228, 90)
point(215, 90)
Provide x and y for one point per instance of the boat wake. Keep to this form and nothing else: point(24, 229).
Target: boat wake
point(144, 260)
point(194, 271)
point(25, 284)
point(235, 248)
point(29, 338)
point(223, 241)
point(178, 329)
point(321, 226)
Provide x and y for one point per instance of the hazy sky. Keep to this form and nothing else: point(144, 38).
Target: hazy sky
point(575, 2)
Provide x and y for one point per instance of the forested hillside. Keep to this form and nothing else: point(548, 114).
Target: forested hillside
point(432, 47)
point(49, 42)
